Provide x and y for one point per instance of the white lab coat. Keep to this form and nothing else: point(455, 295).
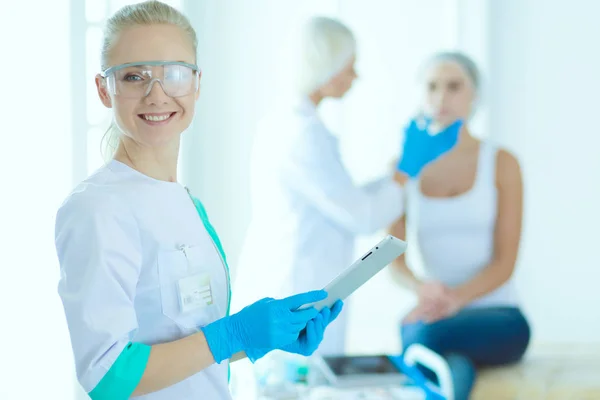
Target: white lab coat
point(119, 239)
point(306, 213)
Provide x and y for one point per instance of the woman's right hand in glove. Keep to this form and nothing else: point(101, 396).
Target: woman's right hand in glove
point(267, 324)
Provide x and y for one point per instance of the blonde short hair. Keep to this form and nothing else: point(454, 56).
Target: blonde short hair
point(325, 47)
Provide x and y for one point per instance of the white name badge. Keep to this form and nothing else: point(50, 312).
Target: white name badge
point(194, 292)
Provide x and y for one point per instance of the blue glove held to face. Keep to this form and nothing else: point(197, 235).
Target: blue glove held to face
point(422, 147)
point(267, 324)
point(310, 338)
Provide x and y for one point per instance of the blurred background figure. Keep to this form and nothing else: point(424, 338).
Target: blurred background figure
point(466, 209)
point(306, 210)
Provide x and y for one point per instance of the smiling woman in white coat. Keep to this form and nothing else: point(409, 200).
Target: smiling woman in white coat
point(306, 210)
point(144, 279)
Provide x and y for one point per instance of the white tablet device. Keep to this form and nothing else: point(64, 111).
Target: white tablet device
point(363, 269)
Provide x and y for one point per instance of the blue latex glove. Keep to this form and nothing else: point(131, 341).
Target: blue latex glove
point(267, 324)
point(421, 147)
point(310, 338)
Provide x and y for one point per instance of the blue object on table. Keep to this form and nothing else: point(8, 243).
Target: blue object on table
point(418, 379)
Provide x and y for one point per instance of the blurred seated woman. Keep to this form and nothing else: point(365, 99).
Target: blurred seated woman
point(467, 216)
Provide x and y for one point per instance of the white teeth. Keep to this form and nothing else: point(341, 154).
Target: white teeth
point(156, 117)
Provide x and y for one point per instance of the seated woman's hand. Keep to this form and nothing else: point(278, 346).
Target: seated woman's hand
point(433, 292)
point(436, 301)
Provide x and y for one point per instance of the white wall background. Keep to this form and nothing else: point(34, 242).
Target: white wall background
point(544, 101)
point(35, 171)
point(539, 57)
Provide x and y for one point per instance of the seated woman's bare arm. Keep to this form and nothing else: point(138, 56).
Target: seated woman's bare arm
point(507, 231)
point(401, 273)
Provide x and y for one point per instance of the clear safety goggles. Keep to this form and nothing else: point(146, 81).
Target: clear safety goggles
point(135, 80)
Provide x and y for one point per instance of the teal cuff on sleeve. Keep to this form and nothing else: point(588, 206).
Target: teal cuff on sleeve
point(125, 374)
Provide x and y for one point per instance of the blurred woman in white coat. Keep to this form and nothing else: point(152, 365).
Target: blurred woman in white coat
point(306, 209)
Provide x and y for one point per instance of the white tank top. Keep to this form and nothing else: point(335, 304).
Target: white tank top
point(455, 235)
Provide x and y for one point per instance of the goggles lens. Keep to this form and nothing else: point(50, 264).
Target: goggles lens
point(135, 80)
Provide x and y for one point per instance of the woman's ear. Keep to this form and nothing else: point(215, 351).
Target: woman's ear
point(103, 91)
